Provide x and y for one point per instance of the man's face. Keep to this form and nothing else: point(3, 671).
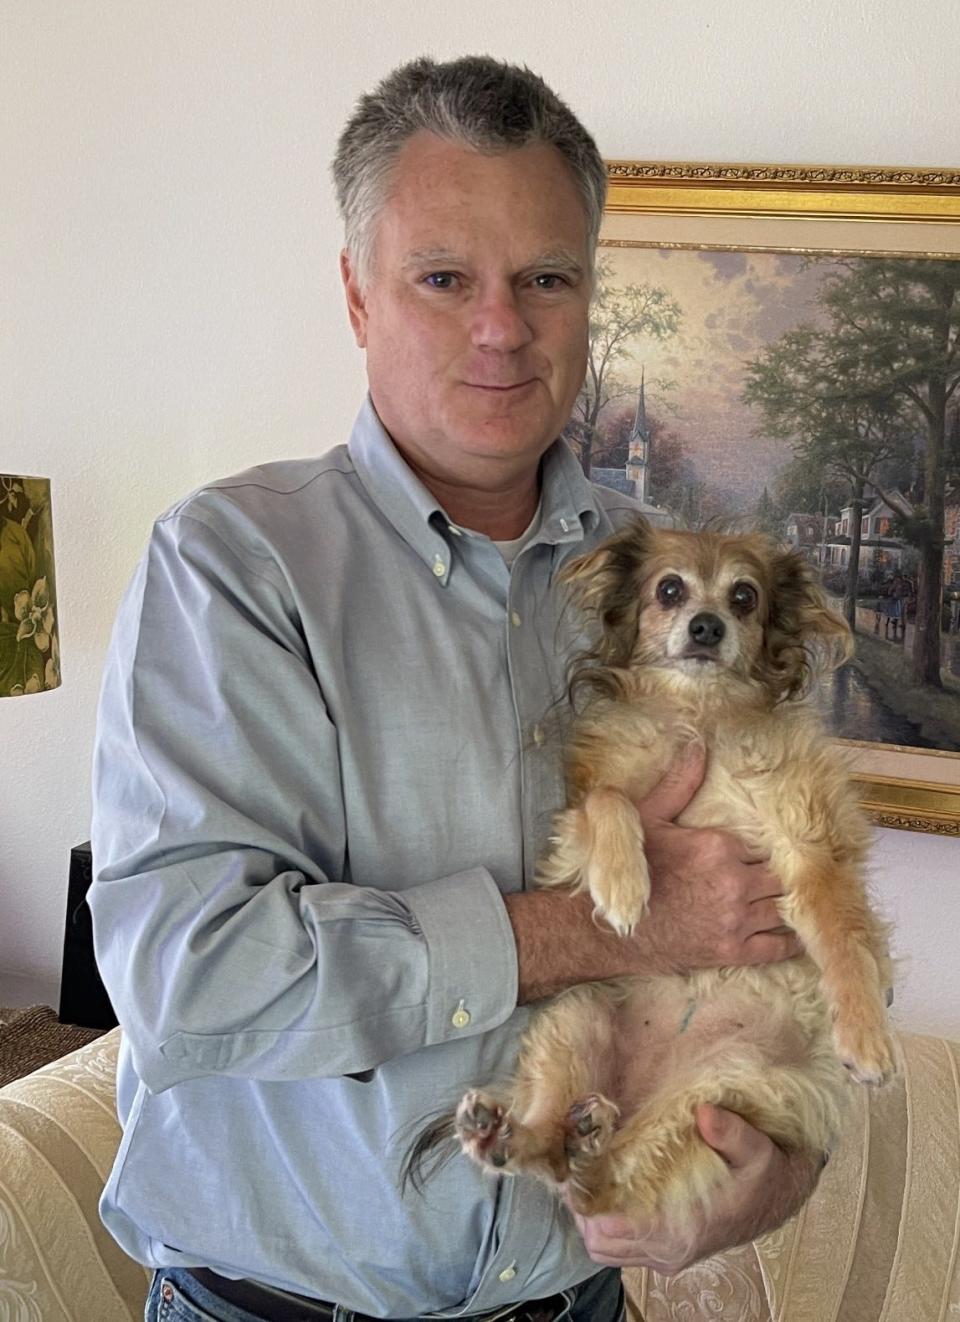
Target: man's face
point(474, 315)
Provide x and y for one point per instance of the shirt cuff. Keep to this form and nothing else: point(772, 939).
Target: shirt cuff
point(471, 952)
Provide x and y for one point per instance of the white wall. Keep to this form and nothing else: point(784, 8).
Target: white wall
point(170, 310)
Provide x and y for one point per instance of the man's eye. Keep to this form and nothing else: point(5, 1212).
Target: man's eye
point(743, 597)
point(548, 281)
point(670, 591)
point(440, 279)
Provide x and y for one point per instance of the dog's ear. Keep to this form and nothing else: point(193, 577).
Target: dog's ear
point(604, 585)
point(803, 637)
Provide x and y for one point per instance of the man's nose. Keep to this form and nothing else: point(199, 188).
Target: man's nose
point(706, 629)
point(499, 322)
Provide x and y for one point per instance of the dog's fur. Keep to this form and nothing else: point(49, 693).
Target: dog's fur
point(699, 636)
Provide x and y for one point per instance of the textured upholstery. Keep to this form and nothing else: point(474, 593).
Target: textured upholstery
point(877, 1243)
point(58, 1137)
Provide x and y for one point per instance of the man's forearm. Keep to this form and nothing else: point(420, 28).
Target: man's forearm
point(559, 943)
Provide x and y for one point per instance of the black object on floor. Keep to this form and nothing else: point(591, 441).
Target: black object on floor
point(83, 997)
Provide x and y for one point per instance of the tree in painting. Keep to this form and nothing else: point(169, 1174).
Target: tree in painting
point(859, 392)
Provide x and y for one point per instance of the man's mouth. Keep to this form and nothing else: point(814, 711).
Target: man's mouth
point(498, 388)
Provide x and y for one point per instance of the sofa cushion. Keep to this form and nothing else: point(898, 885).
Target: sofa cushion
point(878, 1241)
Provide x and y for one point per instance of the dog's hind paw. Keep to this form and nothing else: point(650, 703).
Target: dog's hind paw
point(590, 1125)
point(483, 1129)
point(867, 1053)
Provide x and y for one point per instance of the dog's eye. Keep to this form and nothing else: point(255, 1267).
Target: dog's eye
point(670, 591)
point(743, 597)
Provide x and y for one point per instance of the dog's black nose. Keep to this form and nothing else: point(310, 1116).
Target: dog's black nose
point(707, 629)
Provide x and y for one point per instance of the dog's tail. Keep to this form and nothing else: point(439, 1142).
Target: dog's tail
point(430, 1151)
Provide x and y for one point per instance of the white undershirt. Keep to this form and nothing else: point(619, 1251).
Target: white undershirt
point(510, 550)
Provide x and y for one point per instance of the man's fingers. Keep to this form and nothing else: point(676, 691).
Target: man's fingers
point(763, 884)
point(679, 783)
point(771, 947)
point(737, 1142)
point(765, 916)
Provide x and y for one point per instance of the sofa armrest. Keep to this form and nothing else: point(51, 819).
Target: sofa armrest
point(58, 1137)
point(878, 1239)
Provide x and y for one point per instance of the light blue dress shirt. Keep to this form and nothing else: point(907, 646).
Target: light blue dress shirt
point(324, 749)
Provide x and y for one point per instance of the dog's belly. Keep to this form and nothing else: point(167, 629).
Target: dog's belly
point(668, 1032)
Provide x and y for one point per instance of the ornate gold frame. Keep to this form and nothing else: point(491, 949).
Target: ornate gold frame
point(839, 192)
point(810, 208)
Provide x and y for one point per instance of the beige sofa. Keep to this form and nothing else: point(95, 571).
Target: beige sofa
point(877, 1243)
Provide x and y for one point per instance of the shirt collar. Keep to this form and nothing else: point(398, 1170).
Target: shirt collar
point(569, 503)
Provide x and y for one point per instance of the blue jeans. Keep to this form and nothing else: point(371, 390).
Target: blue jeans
point(175, 1297)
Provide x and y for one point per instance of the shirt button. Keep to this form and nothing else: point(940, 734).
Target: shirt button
point(515, 619)
point(508, 1273)
point(460, 1017)
point(439, 568)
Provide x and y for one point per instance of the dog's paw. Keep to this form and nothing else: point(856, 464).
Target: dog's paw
point(620, 898)
point(590, 1125)
point(483, 1130)
point(867, 1053)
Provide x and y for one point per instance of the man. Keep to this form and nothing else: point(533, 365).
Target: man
point(326, 766)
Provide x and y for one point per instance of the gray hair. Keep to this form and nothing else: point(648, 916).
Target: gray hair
point(477, 101)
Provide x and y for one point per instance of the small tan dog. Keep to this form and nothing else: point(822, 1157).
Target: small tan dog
point(700, 636)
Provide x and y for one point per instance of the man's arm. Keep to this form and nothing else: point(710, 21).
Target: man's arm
point(228, 929)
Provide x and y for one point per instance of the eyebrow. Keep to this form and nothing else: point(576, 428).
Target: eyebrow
point(431, 257)
point(557, 259)
point(560, 260)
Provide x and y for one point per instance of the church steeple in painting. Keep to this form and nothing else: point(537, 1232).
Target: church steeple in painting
point(638, 453)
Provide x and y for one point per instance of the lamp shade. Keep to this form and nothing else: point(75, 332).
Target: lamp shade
point(29, 642)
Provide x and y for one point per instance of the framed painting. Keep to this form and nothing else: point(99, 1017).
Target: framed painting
point(779, 347)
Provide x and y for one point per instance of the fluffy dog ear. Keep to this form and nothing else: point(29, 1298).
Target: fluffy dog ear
point(803, 636)
point(604, 585)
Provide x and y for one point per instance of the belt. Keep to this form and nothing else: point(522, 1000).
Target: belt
point(274, 1305)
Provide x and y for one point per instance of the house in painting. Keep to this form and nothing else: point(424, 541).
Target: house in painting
point(808, 534)
point(881, 552)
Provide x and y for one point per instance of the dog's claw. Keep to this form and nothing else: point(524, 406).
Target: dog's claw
point(867, 1053)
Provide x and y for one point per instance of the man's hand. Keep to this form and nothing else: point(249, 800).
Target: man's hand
point(711, 903)
point(766, 1187)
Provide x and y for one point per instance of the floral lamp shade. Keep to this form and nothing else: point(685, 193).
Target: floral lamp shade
point(29, 643)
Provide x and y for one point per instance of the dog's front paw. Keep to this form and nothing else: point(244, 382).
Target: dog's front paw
point(620, 895)
point(868, 1053)
point(483, 1130)
point(616, 872)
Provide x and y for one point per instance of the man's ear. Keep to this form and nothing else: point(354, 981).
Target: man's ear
point(356, 303)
